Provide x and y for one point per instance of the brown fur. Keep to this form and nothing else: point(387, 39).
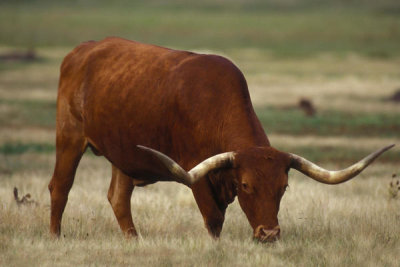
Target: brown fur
point(116, 94)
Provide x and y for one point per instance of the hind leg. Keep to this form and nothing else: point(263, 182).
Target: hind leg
point(119, 196)
point(70, 146)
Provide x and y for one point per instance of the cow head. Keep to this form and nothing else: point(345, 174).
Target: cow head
point(261, 179)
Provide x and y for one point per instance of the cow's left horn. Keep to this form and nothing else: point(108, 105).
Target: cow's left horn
point(333, 177)
point(188, 178)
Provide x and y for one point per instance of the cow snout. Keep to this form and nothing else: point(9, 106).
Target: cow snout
point(267, 234)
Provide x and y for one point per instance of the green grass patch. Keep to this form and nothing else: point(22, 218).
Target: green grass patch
point(25, 113)
point(21, 148)
point(13, 65)
point(300, 29)
point(19, 163)
point(313, 153)
point(35, 113)
point(328, 123)
point(329, 154)
point(17, 157)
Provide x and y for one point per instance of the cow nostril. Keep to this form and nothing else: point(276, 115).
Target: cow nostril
point(267, 234)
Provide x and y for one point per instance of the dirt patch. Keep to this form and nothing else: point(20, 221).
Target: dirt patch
point(395, 97)
point(19, 56)
point(307, 106)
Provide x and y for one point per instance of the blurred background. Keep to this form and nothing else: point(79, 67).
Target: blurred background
point(280, 27)
point(314, 67)
point(324, 77)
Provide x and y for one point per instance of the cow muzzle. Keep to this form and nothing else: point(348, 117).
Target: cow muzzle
point(265, 234)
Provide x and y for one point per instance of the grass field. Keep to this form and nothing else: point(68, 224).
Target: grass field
point(286, 51)
point(284, 28)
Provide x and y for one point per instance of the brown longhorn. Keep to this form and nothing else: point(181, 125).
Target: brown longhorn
point(115, 94)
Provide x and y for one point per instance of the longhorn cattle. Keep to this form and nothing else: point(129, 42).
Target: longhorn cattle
point(154, 113)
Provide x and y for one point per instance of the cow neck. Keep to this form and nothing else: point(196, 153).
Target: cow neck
point(223, 187)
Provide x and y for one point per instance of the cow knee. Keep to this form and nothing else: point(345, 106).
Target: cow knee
point(111, 198)
point(117, 205)
point(50, 187)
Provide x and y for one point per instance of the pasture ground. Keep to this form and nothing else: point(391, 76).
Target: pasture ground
point(353, 224)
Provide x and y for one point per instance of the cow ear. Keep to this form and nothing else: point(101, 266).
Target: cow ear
point(236, 176)
point(234, 164)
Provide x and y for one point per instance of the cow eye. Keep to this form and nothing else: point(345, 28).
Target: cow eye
point(245, 186)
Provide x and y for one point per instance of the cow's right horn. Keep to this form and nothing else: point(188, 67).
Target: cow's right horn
point(218, 161)
point(333, 177)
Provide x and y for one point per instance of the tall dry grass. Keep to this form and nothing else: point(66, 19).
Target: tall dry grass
point(356, 223)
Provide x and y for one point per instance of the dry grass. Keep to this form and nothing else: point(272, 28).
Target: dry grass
point(41, 135)
point(348, 84)
point(356, 223)
point(352, 224)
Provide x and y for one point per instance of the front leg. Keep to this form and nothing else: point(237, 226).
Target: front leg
point(213, 215)
point(119, 196)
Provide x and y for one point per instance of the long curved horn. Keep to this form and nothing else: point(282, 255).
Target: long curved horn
point(333, 177)
point(188, 178)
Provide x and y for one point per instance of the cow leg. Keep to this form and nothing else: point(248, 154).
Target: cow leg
point(69, 150)
point(213, 216)
point(119, 196)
